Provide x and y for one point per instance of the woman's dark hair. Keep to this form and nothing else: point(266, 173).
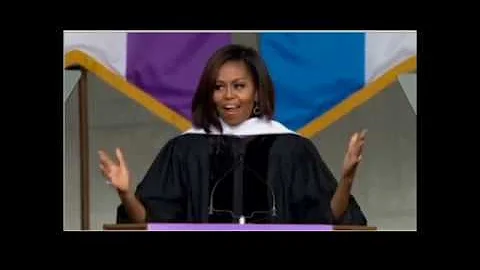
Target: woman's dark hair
point(203, 108)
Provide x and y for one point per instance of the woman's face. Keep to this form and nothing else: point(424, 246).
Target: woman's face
point(234, 93)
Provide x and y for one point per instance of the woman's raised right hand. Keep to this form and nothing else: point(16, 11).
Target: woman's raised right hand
point(116, 172)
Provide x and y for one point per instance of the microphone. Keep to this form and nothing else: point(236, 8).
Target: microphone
point(274, 204)
point(241, 218)
point(210, 206)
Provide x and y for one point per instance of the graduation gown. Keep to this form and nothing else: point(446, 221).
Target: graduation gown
point(259, 170)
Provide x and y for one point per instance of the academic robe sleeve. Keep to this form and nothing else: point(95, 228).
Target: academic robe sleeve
point(161, 191)
point(313, 188)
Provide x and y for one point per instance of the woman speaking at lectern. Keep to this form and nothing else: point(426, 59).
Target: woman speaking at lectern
point(236, 162)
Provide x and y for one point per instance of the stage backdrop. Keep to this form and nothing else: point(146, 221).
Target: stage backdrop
point(319, 76)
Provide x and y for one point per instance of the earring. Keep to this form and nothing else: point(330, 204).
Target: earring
point(256, 109)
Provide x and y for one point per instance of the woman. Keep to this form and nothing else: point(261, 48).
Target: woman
point(237, 163)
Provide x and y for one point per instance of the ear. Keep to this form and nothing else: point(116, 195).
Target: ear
point(256, 96)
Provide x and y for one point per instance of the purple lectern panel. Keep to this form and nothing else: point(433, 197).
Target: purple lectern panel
point(236, 227)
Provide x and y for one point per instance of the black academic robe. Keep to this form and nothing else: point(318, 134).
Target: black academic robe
point(271, 178)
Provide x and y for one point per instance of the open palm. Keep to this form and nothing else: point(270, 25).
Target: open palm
point(353, 155)
point(116, 172)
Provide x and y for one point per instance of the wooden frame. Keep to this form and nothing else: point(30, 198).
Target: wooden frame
point(145, 227)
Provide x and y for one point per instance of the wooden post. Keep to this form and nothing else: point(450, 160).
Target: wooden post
point(84, 151)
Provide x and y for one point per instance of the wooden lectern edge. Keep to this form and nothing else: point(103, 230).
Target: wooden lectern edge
point(143, 227)
point(354, 228)
point(128, 227)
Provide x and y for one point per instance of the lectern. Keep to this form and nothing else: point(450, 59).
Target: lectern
point(233, 227)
